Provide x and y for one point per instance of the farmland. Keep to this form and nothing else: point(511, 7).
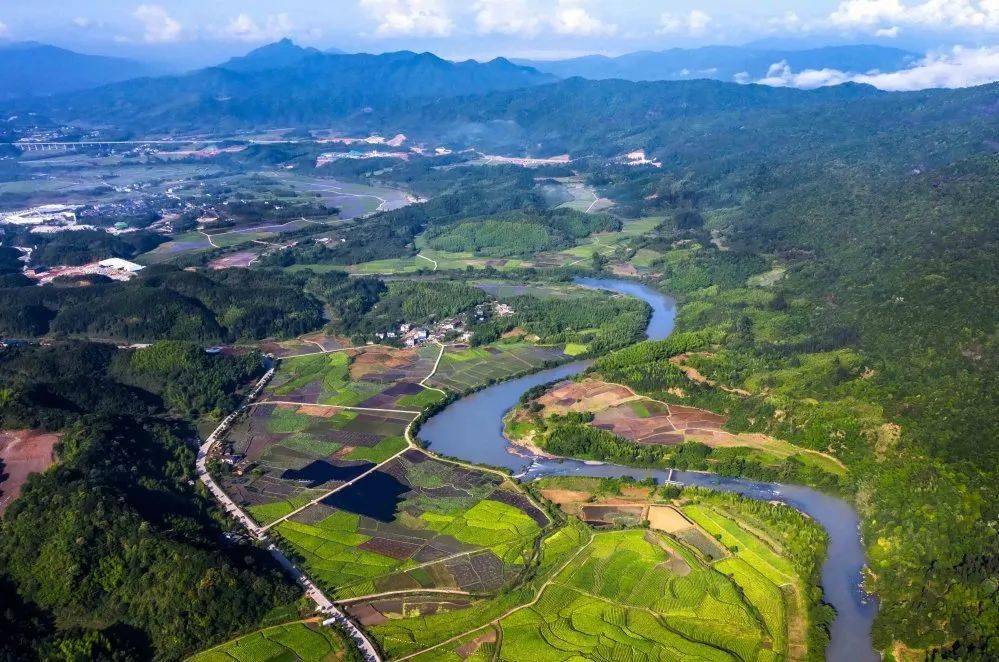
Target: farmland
point(301, 641)
point(666, 592)
point(416, 523)
point(617, 409)
point(465, 369)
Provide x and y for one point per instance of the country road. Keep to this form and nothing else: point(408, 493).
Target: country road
point(324, 605)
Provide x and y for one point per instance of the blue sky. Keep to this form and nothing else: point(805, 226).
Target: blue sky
point(195, 32)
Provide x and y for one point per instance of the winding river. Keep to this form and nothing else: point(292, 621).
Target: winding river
point(472, 429)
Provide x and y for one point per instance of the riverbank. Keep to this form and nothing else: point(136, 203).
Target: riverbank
point(480, 417)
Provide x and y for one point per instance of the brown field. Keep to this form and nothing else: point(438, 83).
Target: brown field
point(619, 410)
point(377, 358)
point(240, 259)
point(585, 395)
point(23, 452)
point(488, 637)
point(668, 519)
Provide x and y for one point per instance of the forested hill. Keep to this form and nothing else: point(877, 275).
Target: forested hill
point(279, 86)
point(708, 126)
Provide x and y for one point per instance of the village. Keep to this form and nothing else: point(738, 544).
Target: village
point(451, 329)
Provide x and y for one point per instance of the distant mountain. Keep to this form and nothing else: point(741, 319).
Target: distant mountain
point(284, 84)
point(281, 54)
point(724, 62)
point(33, 69)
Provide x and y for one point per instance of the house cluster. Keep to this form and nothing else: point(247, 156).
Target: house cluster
point(412, 335)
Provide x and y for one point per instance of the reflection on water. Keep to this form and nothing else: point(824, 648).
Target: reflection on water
point(472, 429)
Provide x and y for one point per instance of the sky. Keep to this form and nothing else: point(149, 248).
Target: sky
point(190, 33)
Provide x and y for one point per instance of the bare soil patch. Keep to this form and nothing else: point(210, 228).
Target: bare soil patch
point(23, 452)
point(467, 649)
point(668, 519)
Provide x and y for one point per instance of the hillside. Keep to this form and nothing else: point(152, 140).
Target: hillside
point(282, 85)
point(32, 69)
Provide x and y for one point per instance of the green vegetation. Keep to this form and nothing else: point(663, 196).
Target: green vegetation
point(596, 320)
point(302, 641)
point(166, 303)
point(52, 387)
point(380, 452)
point(84, 246)
point(572, 436)
point(419, 302)
point(518, 233)
point(92, 545)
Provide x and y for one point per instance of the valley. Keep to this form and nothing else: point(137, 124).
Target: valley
point(388, 357)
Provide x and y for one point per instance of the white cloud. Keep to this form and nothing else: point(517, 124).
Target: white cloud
point(889, 33)
point(244, 28)
point(572, 17)
point(959, 67)
point(83, 22)
point(790, 21)
point(427, 18)
point(158, 26)
point(506, 17)
point(931, 14)
point(3, 29)
point(693, 23)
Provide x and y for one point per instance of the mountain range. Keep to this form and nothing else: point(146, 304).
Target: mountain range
point(282, 83)
point(724, 62)
point(29, 69)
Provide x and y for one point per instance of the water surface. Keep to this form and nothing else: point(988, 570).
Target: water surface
point(472, 429)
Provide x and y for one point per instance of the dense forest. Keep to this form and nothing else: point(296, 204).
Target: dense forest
point(518, 233)
point(112, 553)
point(595, 321)
point(84, 246)
point(868, 332)
point(164, 302)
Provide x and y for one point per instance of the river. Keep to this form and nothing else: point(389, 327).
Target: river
point(472, 429)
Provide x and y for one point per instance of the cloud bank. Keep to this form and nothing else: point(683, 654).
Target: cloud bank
point(959, 67)
point(158, 26)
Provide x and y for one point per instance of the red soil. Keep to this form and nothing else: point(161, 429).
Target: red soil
point(23, 452)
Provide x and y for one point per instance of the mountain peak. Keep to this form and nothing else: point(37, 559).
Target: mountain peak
point(277, 55)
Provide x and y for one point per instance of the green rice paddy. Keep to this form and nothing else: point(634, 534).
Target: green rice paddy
point(301, 641)
point(625, 595)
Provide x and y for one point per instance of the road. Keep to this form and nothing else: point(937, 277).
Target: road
point(324, 605)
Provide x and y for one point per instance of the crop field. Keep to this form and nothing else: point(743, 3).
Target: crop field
point(405, 631)
point(675, 593)
point(443, 260)
point(303, 641)
point(416, 523)
point(646, 421)
point(372, 377)
point(463, 369)
point(626, 595)
point(181, 244)
point(292, 453)
point(310, 343)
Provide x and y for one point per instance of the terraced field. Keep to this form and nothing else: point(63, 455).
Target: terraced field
point(304, 641)
point(632, 594)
